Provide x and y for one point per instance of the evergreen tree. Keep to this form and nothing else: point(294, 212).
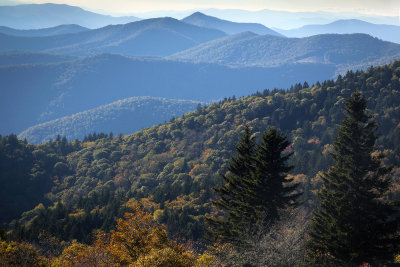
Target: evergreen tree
point(255, 186)
point(354, 224)
point(271, 190)
point(234, 194)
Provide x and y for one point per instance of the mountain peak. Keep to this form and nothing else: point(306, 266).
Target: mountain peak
point(198, 13)
point(229, 27)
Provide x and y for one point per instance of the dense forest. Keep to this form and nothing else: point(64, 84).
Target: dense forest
point(124, 116)
point(172, 169)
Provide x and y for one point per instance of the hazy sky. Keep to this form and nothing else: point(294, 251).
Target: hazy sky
point(381, 7)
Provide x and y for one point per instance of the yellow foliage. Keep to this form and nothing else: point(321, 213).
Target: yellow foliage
point(397, 259)
point(19, 254)
point(72, 255)
point(83, 255)
point(157, 214)
point(148, 203)
point(207, 260)
point(89, 144)
point(136, 235)
point(137, 241)
point(173, 257)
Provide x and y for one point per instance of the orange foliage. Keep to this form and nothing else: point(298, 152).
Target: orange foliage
point(198, 169)
point(298, 178)
point(19, 254)
point(206, 153)
point(138, 240)
point(83, 255)
point(314, 140)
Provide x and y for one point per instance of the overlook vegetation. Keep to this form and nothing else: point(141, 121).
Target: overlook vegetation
point(303, 176)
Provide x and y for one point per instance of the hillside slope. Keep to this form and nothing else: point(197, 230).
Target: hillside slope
point(342, 50)
point(173, 167)
point(124, 116)
point(136, 38)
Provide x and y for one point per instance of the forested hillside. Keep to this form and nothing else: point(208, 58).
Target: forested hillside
point(124, 116)
point(51, 91)
point(344, 51)
point(173, 167)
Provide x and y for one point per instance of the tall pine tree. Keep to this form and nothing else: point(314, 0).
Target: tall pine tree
point(354, 224)
point(234, 194)
point(272, 190)
point(255, 187)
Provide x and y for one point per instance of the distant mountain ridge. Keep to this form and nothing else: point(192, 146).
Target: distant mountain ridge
point(38, 93)
point(151, 37)
point(37, 16)
point(202, 20)
point(124, 116)
point(58, 30)
point(288, 20)
point(247, 49)
point(382, 31)
point(21, 57)
point(279, 19)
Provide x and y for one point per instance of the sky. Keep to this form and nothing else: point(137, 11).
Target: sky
point(377, 7)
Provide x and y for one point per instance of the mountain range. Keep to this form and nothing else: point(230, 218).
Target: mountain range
point(279, 19)
point(50, 91)
point(229, 27)
point(249, 49)
point(37, 16)
point(152, 37)
point(124, 116)
point(50, 73)
point(57, 30)
point(382, 31)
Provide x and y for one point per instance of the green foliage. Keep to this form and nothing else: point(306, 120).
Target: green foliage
point(28, 172)
point(355, 223)
point(124, 116)
point(255, 188)
point(175, 165)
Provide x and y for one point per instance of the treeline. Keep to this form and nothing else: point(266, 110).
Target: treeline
point(257, 221)
point(28, 172)
point(174, 166)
